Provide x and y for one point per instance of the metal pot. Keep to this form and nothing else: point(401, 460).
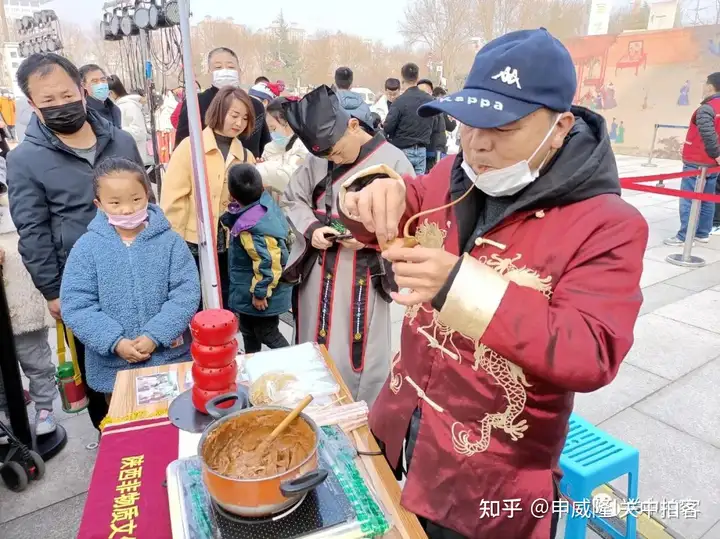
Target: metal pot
point(268, 495)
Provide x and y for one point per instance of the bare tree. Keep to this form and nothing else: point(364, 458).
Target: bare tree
point(629, 19)
point(562, 18)
point(319, 58)
point(445, 27)
point(212, 33)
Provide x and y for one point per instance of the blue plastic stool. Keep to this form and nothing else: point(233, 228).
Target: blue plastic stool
point(590, 459)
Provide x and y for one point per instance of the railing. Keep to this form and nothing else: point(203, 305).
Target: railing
point(686, 258)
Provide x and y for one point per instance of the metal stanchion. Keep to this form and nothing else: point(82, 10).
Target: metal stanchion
point(209, 272)
point(652, 148)
point(686, 258)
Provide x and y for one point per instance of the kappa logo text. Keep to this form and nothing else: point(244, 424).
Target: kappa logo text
point(484, 103)
point(509, 76)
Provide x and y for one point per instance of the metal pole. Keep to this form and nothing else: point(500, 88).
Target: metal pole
point(652, 148)
point(150, 96)
point(209, 275)
point(687, 259)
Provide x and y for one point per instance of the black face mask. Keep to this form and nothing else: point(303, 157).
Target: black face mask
point(65, 119)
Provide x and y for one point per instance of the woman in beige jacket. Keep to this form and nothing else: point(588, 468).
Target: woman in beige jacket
point(230, 115)
point(30, 320)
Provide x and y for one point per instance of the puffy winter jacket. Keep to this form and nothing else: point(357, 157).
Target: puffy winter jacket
point(355, 105)
point(51, 195)
point(28, 309)
point(111, 291)
point(133, 121)
point(258, 256)
point(279, 164)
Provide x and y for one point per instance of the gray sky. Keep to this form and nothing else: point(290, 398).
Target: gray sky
point(376, 19)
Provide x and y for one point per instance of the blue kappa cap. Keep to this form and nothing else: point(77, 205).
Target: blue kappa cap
point(511, 77)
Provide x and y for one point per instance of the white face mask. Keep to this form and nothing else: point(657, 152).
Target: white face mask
point(509, 180)
point(226, 77)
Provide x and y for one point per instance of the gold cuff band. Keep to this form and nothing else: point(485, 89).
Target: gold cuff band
point(474, 298)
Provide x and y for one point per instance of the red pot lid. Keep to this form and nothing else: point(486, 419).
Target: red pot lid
point(214, 327)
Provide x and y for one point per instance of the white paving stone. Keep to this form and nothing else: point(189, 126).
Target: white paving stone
point(630, 386)
point(669, 348)
point(661, 294)
point(690, 404)
point(673, 466)
point(701, 310)
point(656, 272)
point(699, 279)
point(654, 214)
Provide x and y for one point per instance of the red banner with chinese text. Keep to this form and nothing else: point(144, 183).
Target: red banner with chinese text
point(127, 497)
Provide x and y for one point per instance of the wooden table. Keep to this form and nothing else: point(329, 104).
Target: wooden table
point(376, 471)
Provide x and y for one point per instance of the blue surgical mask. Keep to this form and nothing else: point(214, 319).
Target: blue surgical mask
point(100, 91)
point(281, 140)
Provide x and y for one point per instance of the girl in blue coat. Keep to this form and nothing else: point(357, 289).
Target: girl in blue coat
point(130, 285)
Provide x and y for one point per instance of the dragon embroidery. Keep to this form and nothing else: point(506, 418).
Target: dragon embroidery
point(505, 373)
point(430, 235)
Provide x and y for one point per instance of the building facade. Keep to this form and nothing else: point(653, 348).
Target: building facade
point(17, 9)
point(11, 11)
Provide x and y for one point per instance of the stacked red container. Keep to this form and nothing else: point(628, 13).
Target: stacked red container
point(213, 350)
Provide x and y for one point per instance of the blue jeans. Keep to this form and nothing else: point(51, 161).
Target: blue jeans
point(418, 158)
point(707, 209)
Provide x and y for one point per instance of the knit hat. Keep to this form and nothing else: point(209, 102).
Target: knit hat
point(262, 92)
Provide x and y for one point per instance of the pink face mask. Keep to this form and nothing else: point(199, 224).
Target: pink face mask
point(129, 222)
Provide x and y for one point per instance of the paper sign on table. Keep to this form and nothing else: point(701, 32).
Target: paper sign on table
point(156, 388)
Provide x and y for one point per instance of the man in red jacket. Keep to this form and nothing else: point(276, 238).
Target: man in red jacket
point(701, 149)
point(523, 292)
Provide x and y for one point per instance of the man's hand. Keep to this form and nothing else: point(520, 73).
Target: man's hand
point(260, 304)
point(352, 244)
point(2, 256)
point(318, 237)
point(126, 350)
point(54, 308)
point(717, 159)
point(3, 125)
point(421, 269)
point(144, 345)
point(379, 207)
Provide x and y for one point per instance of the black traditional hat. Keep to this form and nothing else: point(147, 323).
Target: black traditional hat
point(318, 120)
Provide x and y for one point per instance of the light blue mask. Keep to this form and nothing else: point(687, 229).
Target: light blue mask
point(281, 140)
point(100, 91)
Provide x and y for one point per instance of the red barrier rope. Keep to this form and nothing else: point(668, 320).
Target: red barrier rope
point(633, 183)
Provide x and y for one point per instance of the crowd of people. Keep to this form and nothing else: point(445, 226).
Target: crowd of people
point(520, 271)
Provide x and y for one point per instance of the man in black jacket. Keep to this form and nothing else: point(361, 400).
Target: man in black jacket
point(443, 123)
point(97, 94)
point(403, 126)
point(49, 178)
point(224, 65)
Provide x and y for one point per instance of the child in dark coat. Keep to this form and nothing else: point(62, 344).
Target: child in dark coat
point(130, 285)
point(258, 255)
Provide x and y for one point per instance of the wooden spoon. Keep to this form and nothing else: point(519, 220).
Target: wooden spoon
point(284, 424)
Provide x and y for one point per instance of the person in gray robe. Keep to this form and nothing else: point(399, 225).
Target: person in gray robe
point(341, 293)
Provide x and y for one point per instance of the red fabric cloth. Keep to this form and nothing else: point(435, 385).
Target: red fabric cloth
point(127, 498)
point(495, 411)
point(694, 148)
point(175, 116)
